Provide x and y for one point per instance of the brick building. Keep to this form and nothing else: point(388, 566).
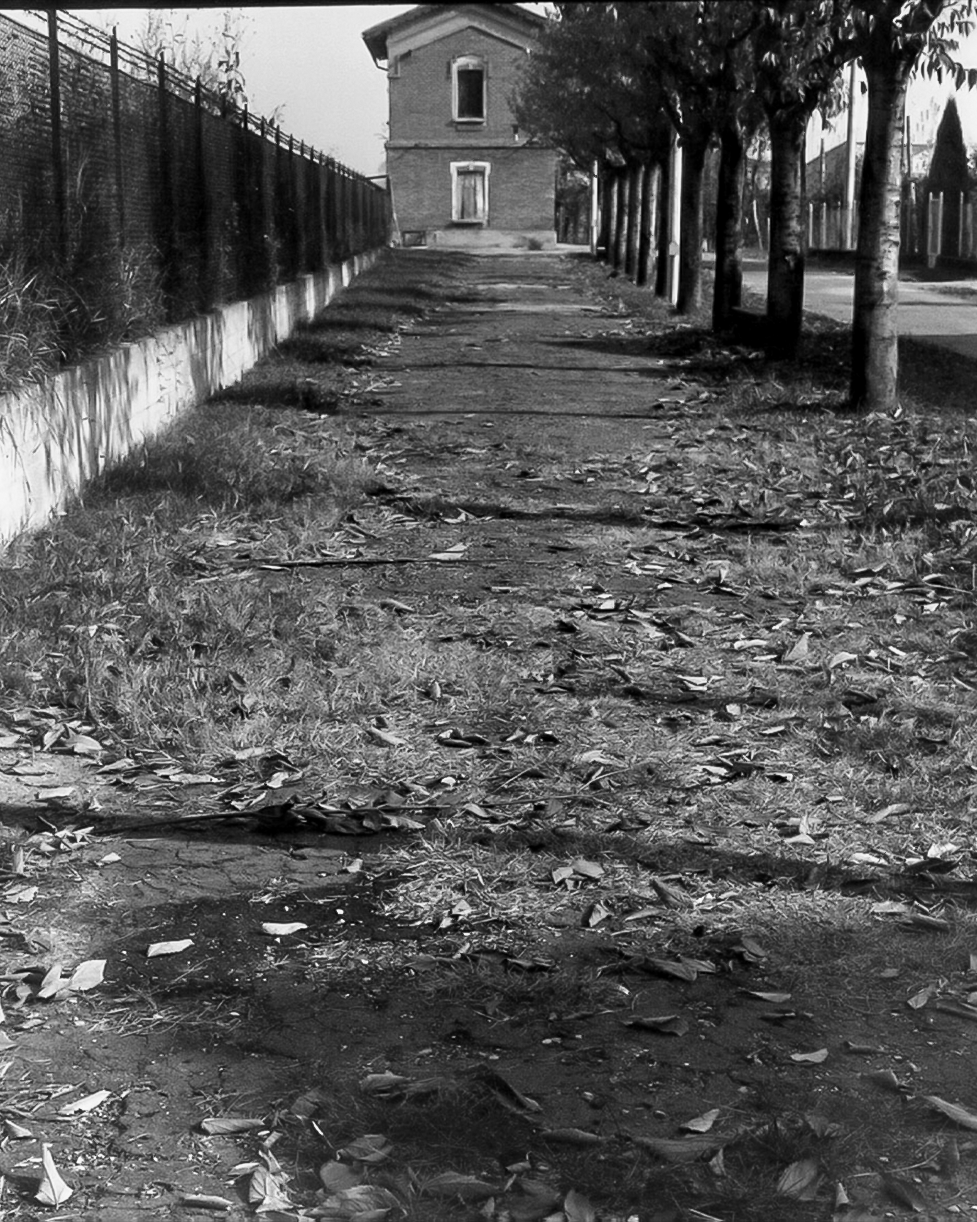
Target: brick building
point(461, 173)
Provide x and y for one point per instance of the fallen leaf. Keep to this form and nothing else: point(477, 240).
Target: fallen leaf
point(810, 1058)
point(774, 998)
point(667, 967)
point(339, 1177)
point(384, 739)
point(586, 869)
point(665, 1024)
point(20, 895)
point(383, 1085)
point(921, 921)
point(82, 744)
point(453, 553)
point(51, 982)
point(952, 1111)
point(278, 929)
point(15, 1130)
point(577, 1208)
point(205, 1200)
point(267, 1192)
point(703, 1123)
point(671, 897)
point(52, 1189)
point(681, 1149)
point(371, 1148)
point(168, 948)
point(362, 1203)
point(215, 1126)
point(88, 1104)
point(87, 975)
point(918, 1000)
point(905, 1192)
point(884, 1078)
point(896, 808)
point(800, 1180)
point(453, 1184)
point(572, 1137)
point(799, 650)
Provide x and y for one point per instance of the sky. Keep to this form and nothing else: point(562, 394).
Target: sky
point(311, 62)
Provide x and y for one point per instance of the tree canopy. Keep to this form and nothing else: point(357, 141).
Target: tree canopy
point(616, 81)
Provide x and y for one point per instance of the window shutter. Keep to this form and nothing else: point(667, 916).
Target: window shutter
point(447, 71)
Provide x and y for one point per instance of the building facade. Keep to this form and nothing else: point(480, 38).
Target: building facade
point(461, 172)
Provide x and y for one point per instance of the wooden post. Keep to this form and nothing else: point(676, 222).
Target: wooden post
point(674, 217)
point(960, 228)
point(57, 151)
point(119, 163)
point(822, 164)
point(934, 226)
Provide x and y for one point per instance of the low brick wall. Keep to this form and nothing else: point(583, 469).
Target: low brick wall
point(59, 434)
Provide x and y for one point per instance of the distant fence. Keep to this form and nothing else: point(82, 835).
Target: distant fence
point(150, 199)
point(932, 225)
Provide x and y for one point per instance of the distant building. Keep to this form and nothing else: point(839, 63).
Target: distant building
point(461, 172)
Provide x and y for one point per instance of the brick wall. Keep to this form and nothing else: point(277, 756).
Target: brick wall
point(420, 96)
point(425, 139)
point(521, 186)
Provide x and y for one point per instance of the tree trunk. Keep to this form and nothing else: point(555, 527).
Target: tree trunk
point(875, 336)
point(728, 292)
point(690, 246)
point(620, 217)
point(650, 178)
point(661, 230)
point(634, 211)
point(785, 263)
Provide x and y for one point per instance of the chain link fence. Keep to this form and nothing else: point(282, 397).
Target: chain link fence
point(131, 196)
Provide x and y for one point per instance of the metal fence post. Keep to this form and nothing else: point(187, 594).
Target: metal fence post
point(119, 164)
point(165, 209)
point(57, 151)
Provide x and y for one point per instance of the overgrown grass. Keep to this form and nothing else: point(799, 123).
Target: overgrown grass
point(745, 783)
point(55, 313)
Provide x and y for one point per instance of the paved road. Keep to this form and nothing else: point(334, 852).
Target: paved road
point(944, 314)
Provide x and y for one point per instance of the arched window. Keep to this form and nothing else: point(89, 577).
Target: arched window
point(468, 77)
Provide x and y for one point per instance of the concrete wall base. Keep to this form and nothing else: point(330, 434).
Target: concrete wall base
point(57, 435)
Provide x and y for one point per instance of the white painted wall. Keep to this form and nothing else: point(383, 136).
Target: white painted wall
point(59, 434)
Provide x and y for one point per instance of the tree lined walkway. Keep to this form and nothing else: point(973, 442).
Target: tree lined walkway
point(578, 819)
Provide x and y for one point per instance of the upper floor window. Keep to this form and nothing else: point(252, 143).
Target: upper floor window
point(468, 89)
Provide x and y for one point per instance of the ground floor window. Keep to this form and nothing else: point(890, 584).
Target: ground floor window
point(470, 192)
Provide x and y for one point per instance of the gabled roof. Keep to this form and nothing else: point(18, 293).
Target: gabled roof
point(426, 23)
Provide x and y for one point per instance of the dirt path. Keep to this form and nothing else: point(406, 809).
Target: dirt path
point(610, 973)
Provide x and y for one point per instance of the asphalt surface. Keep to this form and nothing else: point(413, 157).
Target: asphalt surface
point(944, 313)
